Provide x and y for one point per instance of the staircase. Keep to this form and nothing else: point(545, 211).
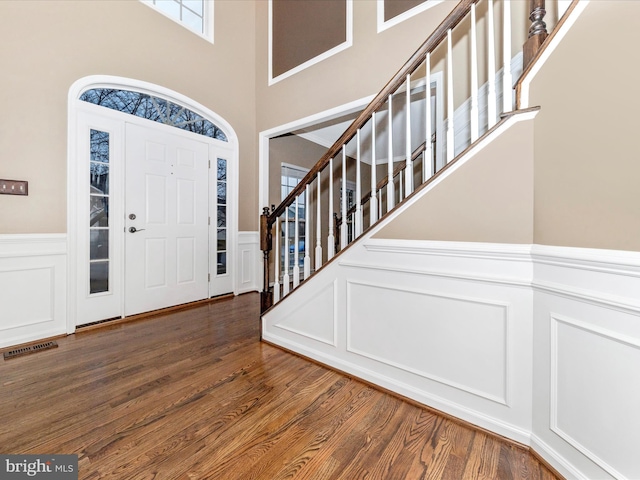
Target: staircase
point(406, 109)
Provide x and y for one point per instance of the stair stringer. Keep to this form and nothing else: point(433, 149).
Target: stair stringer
point(445, 323)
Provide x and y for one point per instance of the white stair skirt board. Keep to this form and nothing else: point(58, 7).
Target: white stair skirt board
point(33, 287)
point(489, 333)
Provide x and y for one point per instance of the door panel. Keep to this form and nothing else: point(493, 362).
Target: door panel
point(166, 253)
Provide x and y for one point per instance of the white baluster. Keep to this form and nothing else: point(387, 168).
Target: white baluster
point(276, 261)
point(307, 233)
point(474, 76)
point(373, 203)
point(408, 166)
point(286, 281)
point(450, 111)
point(507, 77)
point(358, 213)
point(296, 243)
point(318, 227)
point(491, 68)
point(390, 186)
point(331, 240)
point(343, 225)
point(428, 152)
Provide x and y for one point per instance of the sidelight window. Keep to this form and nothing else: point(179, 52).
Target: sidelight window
point(98, 211)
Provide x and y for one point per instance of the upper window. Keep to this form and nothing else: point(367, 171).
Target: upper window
point(196, 15)
point(153, 108)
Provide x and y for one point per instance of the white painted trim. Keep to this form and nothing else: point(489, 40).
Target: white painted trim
point(32, 245)
point(617, 262)
point(550, 48)
point(208, 17)
point(563, 284)
point(29, 254)
point(73, 103)
point(387, 286)
point(494, 251)
point(403, 388)
point(317, 59)
point(556, 319)
point(558, 461)
point(249, 262)
point(412, 12)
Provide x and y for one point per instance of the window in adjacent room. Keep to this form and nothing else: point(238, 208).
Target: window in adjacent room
point(290, 177)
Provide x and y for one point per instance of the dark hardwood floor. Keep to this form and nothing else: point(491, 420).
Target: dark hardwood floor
point(195, 395)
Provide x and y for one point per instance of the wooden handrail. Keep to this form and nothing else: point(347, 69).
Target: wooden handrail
point(454, 18)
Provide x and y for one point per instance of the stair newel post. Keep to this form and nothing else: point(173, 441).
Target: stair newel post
point(537, 31)
point(331, 241)
point(266, 299)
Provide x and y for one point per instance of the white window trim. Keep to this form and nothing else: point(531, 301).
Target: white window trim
point(207, 17)
point(317, 59)
point(412, 12)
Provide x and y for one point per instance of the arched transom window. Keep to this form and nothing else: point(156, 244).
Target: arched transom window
point(155, 109)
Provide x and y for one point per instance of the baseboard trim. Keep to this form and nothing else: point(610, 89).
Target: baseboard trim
point(154, 313)
point(452, 418)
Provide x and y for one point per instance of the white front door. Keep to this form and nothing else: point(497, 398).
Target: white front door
point(166, 219)
point(182, 189)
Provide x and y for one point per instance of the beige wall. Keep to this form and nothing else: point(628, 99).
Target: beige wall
point(48, 45)
point(585, 174)
point(354, 73)
point(587, 191)
point(489, 199)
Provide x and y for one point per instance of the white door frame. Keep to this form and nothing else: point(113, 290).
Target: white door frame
point(104, 81)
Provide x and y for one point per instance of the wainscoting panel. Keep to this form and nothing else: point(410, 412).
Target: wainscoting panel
point(249, 266)
point(594, 376)
point(446, 325)
point(586, 361)
point(539, 344)
point(316, 319)
point(454, 340)
point(32, 287)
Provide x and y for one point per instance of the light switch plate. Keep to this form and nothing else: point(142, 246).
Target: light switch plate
point(14, 187)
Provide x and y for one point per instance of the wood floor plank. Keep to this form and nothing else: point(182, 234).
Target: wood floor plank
point(194, 394)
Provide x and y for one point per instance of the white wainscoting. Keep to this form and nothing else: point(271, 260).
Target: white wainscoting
point(249, 268)
point(33, 287)
point(587, 361)
point(540, 344)
point(448, 325)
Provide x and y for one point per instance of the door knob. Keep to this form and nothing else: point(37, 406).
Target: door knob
point(134, 229)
